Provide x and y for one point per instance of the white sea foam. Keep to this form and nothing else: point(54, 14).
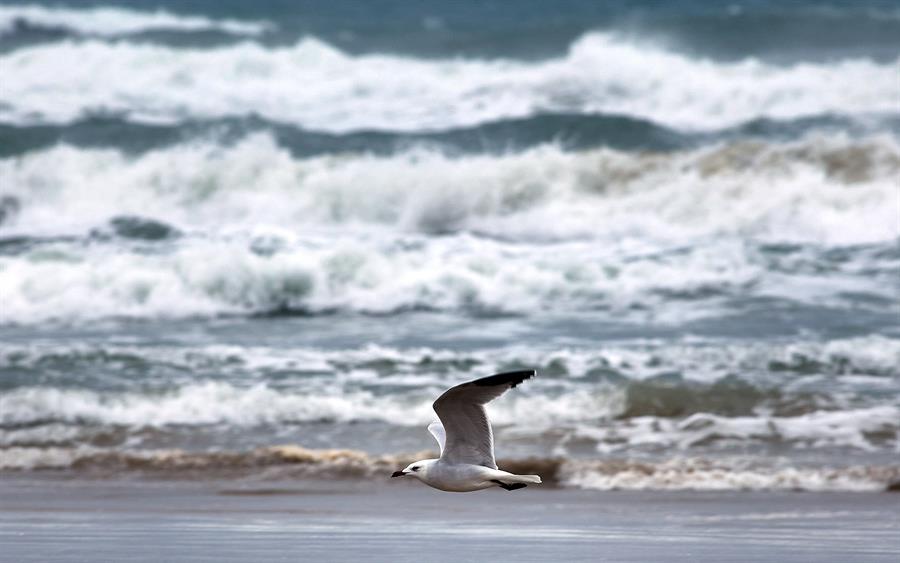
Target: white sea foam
point(685, 473)
point(109, 21)
point(206, 403)
point(851, 428)
point(316, 86)
point(599, 228)
point(204, 278)
point(580, 414)
point(584, 398)
point(25, 458)
point(831, 191)
point(222, 403)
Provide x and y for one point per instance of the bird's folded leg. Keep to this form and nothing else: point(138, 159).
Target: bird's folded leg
point(508, 486)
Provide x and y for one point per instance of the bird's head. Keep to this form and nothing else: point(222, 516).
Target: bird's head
point(417, 469)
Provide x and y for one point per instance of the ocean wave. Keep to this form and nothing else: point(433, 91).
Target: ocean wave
point(112, 21)
point(197, 279)
point(652, 399)
point(203, 229)
point(699, 360)
point(260, 404)
point(833, 191)
point(296, 462)
point(672, 380)
point(867, 429)
point(601, 416)
point(343, 92)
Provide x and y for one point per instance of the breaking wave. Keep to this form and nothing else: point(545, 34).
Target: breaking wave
point(249, 228)
point(460, 274)
point(569, 414)
point(836, 190)
point(657, 398)
point(112, 21)
point(341, 92)
point(633, 405)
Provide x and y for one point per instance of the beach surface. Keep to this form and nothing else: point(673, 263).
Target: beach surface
point(60, 519)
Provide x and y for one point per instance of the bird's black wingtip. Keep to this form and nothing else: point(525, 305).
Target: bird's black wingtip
point(511, 378)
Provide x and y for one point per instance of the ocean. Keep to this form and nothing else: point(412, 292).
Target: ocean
point(256, 240)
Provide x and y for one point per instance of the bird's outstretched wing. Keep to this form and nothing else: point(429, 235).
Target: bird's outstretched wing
point(469, 438)
point(437, 430)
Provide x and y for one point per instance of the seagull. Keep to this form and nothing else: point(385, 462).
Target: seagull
point(466, 440)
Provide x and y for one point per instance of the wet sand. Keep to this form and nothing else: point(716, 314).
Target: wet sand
point(59, 519)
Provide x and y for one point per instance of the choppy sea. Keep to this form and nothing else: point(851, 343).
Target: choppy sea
point(260, 238)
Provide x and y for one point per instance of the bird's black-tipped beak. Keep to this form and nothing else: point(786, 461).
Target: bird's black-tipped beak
point(397, 474)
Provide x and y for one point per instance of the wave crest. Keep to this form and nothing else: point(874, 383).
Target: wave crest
point(111, 22)
point(833, 190)
point(263, 232)
point(343, 92)
point(598, 417)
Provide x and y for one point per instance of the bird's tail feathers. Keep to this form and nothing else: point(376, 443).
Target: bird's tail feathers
point(527, 479)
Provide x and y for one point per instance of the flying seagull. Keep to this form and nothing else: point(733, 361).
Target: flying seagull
point(466, 440)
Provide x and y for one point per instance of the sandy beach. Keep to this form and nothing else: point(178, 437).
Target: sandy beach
point(58, 519)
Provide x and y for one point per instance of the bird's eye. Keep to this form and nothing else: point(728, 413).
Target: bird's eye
point(415, 468)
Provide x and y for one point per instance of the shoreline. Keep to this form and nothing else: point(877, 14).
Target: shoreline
point(289, 462)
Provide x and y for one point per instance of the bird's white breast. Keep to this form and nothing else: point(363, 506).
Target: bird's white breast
point(459, 477)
